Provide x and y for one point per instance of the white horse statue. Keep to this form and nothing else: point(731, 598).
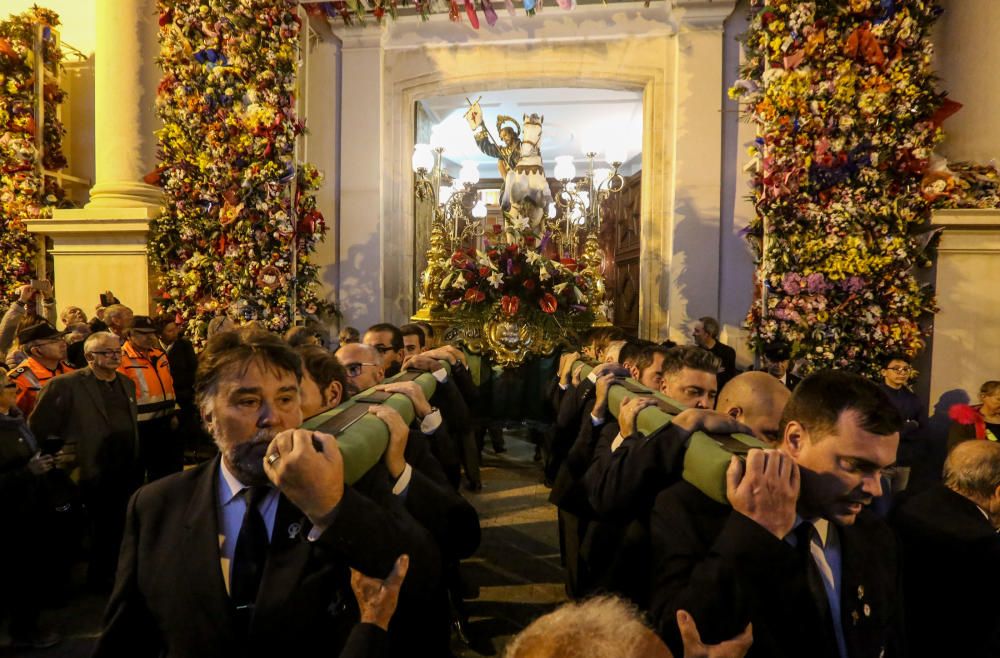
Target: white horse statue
point(526, 181)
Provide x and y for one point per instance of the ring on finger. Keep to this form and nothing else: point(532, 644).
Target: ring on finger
point(272, 458)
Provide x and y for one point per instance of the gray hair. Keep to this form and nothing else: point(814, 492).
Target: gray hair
point(601, 627)
point(972, 469)
point(91, 341)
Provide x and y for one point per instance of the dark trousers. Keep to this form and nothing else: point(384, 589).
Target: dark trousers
point(106, 501)
point(161, 450)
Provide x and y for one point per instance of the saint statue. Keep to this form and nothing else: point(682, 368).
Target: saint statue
point(509, 151)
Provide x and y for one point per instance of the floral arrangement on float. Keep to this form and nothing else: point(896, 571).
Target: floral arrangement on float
point(513, 297)
point(25, 192)
point(843, 98)
point(241, 220)
point(512, 275)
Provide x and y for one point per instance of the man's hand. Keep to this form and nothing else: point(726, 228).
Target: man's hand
point(604, 383)
point(399, 433)
point(613, 367)
point(313, 481)
point(709, 421)
point(40, 464)
point(448, 353)
point(575, 376)
point(66, 459)
point(566, 362)
point(411, 390)
point(377, 598)
point(629, 411)
point(737, 647)
point(421, 362)
point(765, 490)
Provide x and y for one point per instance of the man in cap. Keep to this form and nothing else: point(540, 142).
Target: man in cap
point(776, 359)
point(161, 451)
point(46, 350)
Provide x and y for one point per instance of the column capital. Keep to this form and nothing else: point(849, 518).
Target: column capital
point(701, 14)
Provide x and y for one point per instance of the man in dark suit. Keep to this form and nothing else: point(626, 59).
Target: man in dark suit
point(813, 571)
point(706, 336)
point(776, 360)
point(94, 412)
point(217, 562)
point(183, 363)
point(951, 557)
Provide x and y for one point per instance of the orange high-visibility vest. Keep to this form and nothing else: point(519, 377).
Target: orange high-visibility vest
point(153, 384)
point(30, 377)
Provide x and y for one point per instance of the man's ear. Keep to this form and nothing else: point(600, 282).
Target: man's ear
point(795, 437)
point(633, 371)
point(735, 412)
point(334, 393)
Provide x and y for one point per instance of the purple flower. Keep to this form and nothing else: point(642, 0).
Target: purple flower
point(791, 282)
point(816, 282)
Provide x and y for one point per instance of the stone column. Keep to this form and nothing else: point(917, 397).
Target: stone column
point(103, 246)
point(964, 351)
point(125, 79)
point(689, 239)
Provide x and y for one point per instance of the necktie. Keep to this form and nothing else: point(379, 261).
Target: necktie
point(249, 556)
point(804, 535)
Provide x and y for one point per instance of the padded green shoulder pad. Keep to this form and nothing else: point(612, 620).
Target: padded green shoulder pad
point(364, 441)
point(708, 457)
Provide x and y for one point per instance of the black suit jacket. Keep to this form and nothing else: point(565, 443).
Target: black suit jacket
point(951, 575)
point(183, 364)
point(71, 407)
point(726, 570)
point(170, 598)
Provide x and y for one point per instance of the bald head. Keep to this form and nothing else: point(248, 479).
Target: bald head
point(757, 400)
point(972, 469)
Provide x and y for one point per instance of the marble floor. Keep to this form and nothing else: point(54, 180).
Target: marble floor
point(516, 569)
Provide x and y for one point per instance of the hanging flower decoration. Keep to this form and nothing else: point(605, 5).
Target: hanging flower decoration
point(843, 98)
point(241, 220)
point(24, 193)
point(512, 277)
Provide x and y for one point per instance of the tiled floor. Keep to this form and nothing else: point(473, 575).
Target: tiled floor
point(516, 568)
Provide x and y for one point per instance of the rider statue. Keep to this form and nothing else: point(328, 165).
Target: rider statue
point(509, 153)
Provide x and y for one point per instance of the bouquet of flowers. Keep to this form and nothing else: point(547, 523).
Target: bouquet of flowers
point(512, 277)
point(24, 193)
point(241, 218)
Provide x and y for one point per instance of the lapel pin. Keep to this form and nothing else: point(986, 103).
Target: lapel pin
point(867, 610)
point(861, 591)
point(294, 530)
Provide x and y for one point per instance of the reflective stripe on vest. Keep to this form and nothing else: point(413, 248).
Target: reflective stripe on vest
point(154, 386)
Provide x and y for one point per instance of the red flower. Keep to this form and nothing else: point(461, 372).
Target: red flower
point(548, 303)
point(529, 240)
point(497, 228)
point(469, 276)
point(529, 284)
point(474, 295)
point(509, 304)
point(570, 264)
point(458, 259)
point(483, 271)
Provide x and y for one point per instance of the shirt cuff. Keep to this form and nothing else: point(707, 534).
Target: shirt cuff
point(431, 422)
point(592, 376)
point(619, 440)
point(597, 420)
point(319, 528)
point(441, 375)
point(404, 480)
point(563, 386)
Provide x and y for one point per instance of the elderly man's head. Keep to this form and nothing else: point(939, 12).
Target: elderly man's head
point(757, 400)
point(601, 627)
point(843, 432)
point(118, 317)
point(972, 470)
point(363, 365)
point(247, 389)
point(72, 315)
point(103, 351)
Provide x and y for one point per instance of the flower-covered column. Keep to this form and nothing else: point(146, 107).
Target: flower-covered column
point(126, 78)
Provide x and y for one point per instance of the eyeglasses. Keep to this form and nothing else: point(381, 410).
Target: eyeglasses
point(901, 369)
point(10, 385)
point(354, 369)
point(107, 353)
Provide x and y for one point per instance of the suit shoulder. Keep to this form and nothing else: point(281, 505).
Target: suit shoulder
point(167, 490)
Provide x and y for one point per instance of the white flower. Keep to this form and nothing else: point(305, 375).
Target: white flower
point(533, 256)
point(519, 223)
point(543, 274)
point(559, 288)
point(459, 282)
point(496, 279)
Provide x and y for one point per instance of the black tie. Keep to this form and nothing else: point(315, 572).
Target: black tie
point(249, 556)
point(804, 535)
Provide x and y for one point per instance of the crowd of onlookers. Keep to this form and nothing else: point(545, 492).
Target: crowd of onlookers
point(216, 525)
